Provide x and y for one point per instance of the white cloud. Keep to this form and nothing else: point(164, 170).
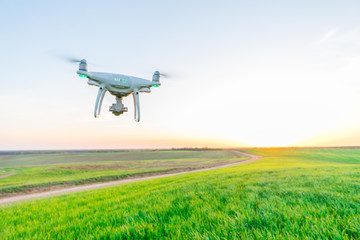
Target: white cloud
point(328, 35)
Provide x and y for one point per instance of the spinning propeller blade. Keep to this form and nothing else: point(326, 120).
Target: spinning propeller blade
point(165, 75)
point(72, 60)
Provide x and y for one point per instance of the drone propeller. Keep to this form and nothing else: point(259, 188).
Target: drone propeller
point(165, 75)
point(83, 65)
point(72, 60)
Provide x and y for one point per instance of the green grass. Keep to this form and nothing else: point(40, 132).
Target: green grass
point(47, 158)
point(289, 194)
point(34, 170)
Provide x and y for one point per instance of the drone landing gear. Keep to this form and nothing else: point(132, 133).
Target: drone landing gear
point(99, 100)
point(118, 107)
point(136, 105)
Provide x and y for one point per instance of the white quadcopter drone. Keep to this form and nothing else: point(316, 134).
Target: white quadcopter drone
point(118, 85)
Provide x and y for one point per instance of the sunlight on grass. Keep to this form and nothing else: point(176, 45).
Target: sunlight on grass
point(290, 193)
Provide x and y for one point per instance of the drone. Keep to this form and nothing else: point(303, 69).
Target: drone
point(118, 85)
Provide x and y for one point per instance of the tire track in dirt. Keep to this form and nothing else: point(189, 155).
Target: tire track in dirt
point(7, 175)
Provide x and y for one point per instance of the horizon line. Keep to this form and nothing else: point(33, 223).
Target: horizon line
point(164, 149)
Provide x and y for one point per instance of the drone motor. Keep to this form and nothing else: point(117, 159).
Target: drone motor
point(156, 76)
point(83, 66)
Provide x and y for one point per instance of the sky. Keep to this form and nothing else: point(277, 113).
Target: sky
point(244, 73)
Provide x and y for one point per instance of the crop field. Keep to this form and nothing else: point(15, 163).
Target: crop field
point(288, 194)
point(45, 170)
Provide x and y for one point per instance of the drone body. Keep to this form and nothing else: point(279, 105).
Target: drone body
point(118, 85)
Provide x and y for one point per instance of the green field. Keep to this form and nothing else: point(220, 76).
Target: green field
point(33, 171)
point(288, 194)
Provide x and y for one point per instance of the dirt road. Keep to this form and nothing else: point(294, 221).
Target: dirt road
point(7, 175)
point(113, 183)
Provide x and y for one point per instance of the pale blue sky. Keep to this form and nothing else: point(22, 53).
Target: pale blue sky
point(254, 73)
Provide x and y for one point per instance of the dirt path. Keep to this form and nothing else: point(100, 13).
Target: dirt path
point(7, 175)
point(113, 183)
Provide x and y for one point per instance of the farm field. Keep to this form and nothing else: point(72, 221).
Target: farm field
point(45, 170)
point(288, 194)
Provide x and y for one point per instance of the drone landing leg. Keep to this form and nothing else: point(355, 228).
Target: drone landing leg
point(99, 100)
point(136, 105)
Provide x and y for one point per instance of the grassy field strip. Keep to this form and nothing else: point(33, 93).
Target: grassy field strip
point(119, 182)
point(53, 158)
point(46, 171)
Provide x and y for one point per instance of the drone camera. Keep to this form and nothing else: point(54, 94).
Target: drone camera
point(117, 109)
